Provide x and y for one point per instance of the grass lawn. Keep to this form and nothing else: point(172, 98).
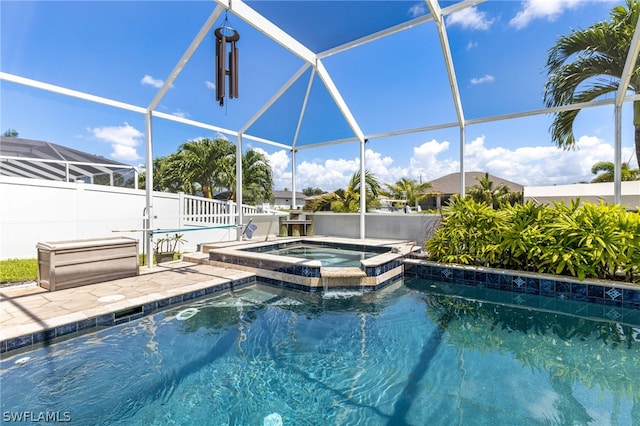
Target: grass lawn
point(16, 270)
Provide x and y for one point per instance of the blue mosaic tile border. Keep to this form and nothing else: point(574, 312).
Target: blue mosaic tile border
point(383, 268)
point(114, 318)
point(618, 314)
point(611, 294)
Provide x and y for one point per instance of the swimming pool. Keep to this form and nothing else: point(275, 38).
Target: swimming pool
point(409, 354)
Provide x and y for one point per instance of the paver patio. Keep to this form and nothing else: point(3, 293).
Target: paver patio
point(28, 309)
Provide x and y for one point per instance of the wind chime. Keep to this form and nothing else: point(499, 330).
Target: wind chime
point(226, 34)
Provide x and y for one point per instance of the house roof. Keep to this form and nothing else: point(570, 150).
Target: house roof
point(450, 184)
point(45, 160)
point(288, 194)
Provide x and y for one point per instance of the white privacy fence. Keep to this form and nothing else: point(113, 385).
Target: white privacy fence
point(33, 211)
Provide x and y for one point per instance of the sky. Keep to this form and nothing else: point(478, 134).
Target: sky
point(125, 51)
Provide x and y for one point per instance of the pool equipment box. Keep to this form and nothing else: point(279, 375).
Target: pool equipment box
point(67, 264)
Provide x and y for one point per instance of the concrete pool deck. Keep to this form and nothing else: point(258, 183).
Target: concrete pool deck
point(27, 310)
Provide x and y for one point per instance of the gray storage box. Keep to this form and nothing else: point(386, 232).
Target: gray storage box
point(66, 264)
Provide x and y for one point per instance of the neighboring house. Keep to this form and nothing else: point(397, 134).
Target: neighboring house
point(284, 199)
point(445, 187)
point(592, 192)
point(34, 159)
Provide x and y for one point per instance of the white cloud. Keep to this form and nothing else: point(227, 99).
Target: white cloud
point(279, 162)
point(147, 80)
point(472, 45)
point(529, 165)
point(540, 165)
point(418, 9)
point(123, 139)
point(381, 167)
point(482, 80)
point(425, 163)
point(182, 114)
point(124, 153)
point(470, 18)
point(210, 85)
point(541, 9)
point(329, 175)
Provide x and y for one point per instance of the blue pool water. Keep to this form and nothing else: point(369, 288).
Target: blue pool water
point(328, 256)
point(408, 355)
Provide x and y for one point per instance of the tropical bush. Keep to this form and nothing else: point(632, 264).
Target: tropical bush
point(580, 240)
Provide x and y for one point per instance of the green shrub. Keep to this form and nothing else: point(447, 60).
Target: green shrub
point(580, 240)
point(524, 237)
point(466, 234)
point(591, 241)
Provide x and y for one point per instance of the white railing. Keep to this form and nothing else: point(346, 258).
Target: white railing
point(204, 211)
point(199, 211)
point(247, 210)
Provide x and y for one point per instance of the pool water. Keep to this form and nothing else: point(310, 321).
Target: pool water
point(328, 256)
point(402, 356)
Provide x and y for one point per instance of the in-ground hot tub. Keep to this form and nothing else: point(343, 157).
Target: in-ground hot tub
point(315, 264)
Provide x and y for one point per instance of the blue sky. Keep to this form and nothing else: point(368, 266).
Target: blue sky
point(125, 50)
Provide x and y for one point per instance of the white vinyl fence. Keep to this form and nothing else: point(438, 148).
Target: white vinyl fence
point(33, 211)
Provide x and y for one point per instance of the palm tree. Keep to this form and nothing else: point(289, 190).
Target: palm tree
point(485, 192)
point(588, 64)
point(209, 165)
point(410, 190)
point(257, 178)
point(205, 162)
point(348, 200)
point(168, 175)
point(309, 191)
point(607, 168)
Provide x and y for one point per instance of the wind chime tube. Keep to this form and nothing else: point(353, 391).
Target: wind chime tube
point(233, 71)
point(221, 44)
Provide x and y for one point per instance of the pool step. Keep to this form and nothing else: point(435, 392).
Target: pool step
point(195, 257)
point(342, 277)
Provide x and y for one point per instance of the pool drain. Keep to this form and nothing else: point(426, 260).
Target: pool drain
point(273, 419)
point(23, 360)
point(186, 314)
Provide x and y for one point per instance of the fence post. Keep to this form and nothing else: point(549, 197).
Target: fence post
point(231, 211)
point(181, 210)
